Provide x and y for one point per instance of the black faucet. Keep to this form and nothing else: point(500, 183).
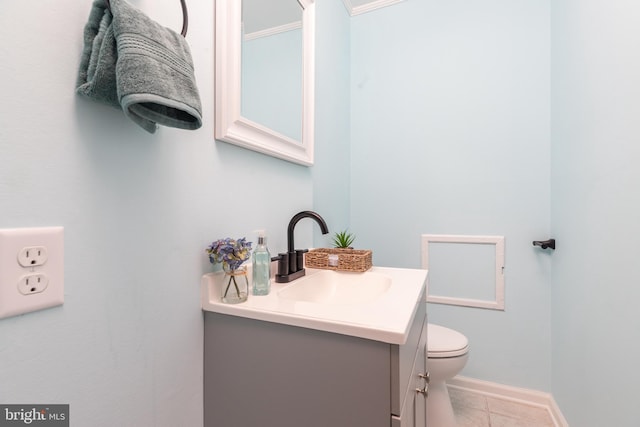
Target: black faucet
point(291, 263)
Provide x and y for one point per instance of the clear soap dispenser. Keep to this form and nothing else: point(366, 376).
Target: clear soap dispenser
point(261, 266)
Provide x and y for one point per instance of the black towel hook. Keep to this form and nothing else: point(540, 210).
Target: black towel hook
point(185, 16)
point(544, 244)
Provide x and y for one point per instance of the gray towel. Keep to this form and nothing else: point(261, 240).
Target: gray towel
point(97, 75)
point(131, 62)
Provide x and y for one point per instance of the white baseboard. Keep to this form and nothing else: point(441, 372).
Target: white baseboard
point(515, 394)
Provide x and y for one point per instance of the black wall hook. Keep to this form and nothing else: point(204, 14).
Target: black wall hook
point(544, 244)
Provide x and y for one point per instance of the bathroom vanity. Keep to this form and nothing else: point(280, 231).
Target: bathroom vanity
point(316, 357)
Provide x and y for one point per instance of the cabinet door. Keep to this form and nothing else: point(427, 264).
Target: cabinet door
point(414, 410)
point(422, 378)
point(403, 358)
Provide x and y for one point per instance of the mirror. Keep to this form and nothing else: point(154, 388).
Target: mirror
point(271, 87)
point(266, 107)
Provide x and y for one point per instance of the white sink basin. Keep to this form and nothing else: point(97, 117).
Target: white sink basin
point(376, 305)
point(337, 287)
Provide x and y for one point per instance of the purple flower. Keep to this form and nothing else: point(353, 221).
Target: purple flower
point(231, 253)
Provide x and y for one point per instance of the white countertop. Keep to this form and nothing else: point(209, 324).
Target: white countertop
point(387, 319)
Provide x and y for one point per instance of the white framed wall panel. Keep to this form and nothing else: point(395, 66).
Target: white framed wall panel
point(497, 241)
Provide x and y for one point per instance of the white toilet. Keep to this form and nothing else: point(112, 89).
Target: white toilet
point(448, 351)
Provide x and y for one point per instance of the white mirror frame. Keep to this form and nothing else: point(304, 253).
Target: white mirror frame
point(230, 126)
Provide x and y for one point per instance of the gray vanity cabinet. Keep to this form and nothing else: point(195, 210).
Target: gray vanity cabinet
point(259, 373)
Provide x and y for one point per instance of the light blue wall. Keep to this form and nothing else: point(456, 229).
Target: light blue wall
point(331, 172)
point(433, 119)
point(450, 135)
point(138, 211)
point(595, 210)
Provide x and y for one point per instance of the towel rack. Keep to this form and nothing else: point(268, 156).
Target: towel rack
point(185, 16)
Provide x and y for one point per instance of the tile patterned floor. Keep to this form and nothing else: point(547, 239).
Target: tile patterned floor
point(479, 410)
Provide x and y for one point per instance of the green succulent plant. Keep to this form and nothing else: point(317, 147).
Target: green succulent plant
point(343, 239)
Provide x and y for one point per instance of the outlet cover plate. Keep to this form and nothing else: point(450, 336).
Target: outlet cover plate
point(13, 241)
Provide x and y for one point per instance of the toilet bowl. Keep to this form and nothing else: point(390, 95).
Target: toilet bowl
point(448, 351)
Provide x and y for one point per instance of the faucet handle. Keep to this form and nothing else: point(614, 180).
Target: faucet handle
point(283, 263)
point(300, 258)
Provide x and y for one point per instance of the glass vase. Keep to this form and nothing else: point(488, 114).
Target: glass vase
point(235, 285)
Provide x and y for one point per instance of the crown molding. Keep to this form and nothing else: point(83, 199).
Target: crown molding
point(374, 5)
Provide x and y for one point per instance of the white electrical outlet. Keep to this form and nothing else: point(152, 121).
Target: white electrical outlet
point(31, 269)
point(35, 283)
point(32, 256)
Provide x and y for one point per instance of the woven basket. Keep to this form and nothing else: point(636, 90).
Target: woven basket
point(339, 259)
